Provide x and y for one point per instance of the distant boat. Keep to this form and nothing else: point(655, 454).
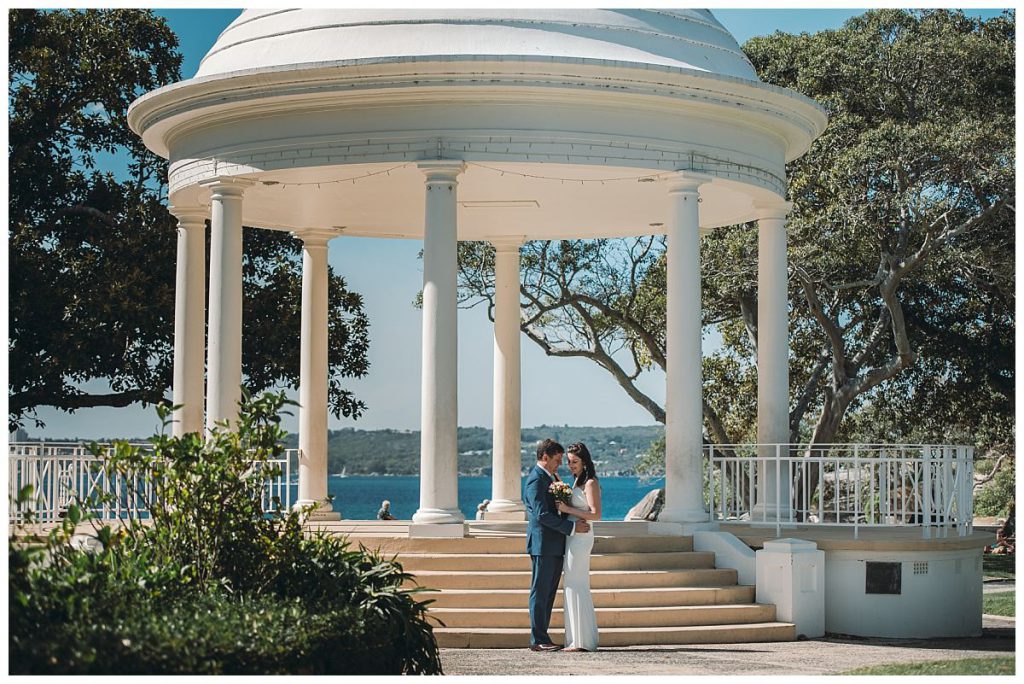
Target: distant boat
point(342, 473)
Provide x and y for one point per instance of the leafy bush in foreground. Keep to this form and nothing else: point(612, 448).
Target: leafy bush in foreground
point(213, 584)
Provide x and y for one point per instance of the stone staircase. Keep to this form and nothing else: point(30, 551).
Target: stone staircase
point(647, 590)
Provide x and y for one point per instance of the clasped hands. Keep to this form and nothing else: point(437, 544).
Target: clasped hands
point(582, 526)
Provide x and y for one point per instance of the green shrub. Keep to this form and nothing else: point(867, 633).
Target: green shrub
point(213, 584)
point(997, 496)
point(212, 634)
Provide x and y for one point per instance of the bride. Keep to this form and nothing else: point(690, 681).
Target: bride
point(580, 620)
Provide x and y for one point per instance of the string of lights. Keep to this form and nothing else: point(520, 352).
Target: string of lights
point(349, 179)
point(647, 177)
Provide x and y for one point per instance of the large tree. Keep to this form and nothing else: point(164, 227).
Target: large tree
point(92, 247)
point(901, 247)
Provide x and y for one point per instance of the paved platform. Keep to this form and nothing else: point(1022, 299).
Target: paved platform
point(815, 657)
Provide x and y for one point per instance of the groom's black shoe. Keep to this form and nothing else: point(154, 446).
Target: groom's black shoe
point(546, 647)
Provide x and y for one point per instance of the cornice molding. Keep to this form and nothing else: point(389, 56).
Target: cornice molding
point(189, 217)
point(773, 210)
point(315, 237)
point(168, 112)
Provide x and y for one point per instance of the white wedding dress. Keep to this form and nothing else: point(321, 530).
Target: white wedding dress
point(580, 620)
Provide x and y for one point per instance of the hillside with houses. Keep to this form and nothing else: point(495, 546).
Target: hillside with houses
point(396, 452)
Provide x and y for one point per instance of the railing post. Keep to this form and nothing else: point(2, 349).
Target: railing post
point(869, 517)
point(948, 458)
point(730, 480)
point(969, 488)
point(856, 490)
point(711, 482)
point(821, 487)
point(752, 474)
point(926, 487)
point(883, 486)
point(52, 481)
point(778, 493)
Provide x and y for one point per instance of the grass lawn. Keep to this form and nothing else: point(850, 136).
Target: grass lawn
point(1002, 567)
point(1003, 665)
point(1000, 603)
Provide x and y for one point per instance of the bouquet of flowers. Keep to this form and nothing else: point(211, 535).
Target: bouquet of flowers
point(561, 491)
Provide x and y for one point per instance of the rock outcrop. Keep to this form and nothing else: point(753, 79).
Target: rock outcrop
point(649, 507)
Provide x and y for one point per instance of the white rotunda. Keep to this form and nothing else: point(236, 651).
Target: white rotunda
point(496, 125)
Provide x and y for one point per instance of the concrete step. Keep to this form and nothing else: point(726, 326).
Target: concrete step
point(618, 528)
point(660, 616)
point(663, 560)
point(517, 545)
point(599, 579)
point(450, 637)
point(603, 598)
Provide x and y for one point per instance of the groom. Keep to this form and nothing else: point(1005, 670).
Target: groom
point(545, 541)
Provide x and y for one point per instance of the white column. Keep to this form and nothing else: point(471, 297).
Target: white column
point(772, 359)
point(684, 501)
point(439, 495)
point(506, 488)
point(313, 376)
point(189, 320)
point(224, 351)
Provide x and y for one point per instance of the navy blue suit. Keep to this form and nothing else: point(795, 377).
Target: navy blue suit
point(546, 531)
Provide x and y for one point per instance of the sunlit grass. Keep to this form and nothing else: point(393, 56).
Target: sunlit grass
point(1001, 566)
point(1002, 665)
point(1001, 603)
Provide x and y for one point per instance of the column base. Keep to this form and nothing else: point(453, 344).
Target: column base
point(323, 516)
point(683, 515)
point(324, 511)
point(438, 530)
point(772, 514)
point(504, 515)
point(505, 509)
point(443, 516)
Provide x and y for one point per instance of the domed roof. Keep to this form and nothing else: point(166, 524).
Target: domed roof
point(266, 39)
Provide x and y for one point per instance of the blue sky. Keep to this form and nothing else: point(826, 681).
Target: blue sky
point(391, 389)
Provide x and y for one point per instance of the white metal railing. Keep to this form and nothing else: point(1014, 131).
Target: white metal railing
point(64, 472)
point(854, 485)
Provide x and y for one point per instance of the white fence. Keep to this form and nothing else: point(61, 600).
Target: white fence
point(61, 473)
point(854, 485)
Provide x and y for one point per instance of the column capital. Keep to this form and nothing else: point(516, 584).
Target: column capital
point(189, 216)
point(441, 170)
point(315, 237)
point(227, 185)
point(686, 181)
point(510, 243)
point(772, 209)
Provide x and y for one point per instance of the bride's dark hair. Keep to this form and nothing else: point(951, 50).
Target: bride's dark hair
point(588, 473)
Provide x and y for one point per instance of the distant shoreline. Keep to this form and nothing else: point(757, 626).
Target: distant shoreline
point(468, 475)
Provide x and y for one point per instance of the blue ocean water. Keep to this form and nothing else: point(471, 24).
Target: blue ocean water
point(358, 497)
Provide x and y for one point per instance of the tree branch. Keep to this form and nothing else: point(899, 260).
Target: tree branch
point(83, 210)
point(23, 401)
point(715, 425)
point(982, 480)
point(832, 330)
point(796, 416)
point(748, 312)
point(598, 355)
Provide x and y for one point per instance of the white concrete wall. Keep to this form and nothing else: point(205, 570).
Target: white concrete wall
point(729, 552)
point(945, 602)
point(790, 574)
